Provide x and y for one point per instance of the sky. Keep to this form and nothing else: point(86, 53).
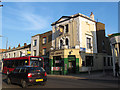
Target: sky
point(21, 20)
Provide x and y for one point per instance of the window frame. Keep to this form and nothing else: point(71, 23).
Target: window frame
point(89, 44)
point(35, 42)
point(44, 52)
point(44, 40)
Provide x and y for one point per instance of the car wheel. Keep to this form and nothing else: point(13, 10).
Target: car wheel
point(8, 81)
point(24, 84)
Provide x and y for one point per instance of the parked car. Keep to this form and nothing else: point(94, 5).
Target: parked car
point(27, 75)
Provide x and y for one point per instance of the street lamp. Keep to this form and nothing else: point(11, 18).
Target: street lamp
point(6, 41)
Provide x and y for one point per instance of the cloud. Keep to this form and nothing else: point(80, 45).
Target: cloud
point(18, 18)
point(34, 22)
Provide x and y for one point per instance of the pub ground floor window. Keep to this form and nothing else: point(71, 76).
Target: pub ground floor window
point(89, 61)
point(57, 61)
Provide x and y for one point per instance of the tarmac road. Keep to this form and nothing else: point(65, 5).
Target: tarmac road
point(54, 82)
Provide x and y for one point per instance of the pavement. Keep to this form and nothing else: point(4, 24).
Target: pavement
point(89, 76)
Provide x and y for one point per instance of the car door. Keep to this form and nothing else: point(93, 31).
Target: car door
point(21, 75)
point(14, 75)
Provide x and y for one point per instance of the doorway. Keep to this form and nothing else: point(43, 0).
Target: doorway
point(72, 64)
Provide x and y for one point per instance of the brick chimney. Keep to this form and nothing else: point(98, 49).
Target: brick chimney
point(19, 45)
point(13, 47)
point(25, 44)
point(9, 48)
point(92, 16)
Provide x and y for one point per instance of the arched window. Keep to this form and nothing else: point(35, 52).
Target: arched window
point(61, 44)
point(67, 41)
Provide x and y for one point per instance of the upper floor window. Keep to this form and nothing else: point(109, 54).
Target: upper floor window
point(35, 43)
point(44, 51)
point(66, 28)
point(61, 29)
point(67, 42)
point(88, 43)
point(61, 44)
point(34, 52)
point(44, 40)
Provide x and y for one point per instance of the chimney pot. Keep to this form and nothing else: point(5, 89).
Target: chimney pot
point(92, 16)
point(25, 44)
point(9, 47)
point(19, 45)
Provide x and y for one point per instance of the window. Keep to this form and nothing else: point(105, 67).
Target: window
point(61, 44)
point(61, 29)
point(14, 55)
point(104, 61)
point(20, 54)
point(108, 61)
point(35, 43)
point(9, 55)
point(66, 26)
point(16, 70)
point(44, 51)
point(89, 61)
point(88, 43)
point(57, 61)
point(83, 63)
point(34, 52)
point(111, 62)
point(67, 41)
point(44, 40)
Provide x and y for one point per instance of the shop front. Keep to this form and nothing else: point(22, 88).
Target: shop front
point(64, 61)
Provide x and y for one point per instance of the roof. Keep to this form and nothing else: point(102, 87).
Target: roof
point(73, 16)
point(17, 48)
point(42, 33)
point(2, 50)
point(113, 35)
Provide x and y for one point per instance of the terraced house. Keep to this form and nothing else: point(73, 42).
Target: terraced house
point(40, 46)
point(75, 45)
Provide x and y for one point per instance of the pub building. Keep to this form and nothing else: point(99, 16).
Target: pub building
point(74, 45)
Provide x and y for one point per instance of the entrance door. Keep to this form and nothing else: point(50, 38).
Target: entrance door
point(72, 64)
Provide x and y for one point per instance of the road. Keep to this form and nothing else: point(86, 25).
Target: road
point(68, 83)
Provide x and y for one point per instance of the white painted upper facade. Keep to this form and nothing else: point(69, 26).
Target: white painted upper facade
point(80, 28)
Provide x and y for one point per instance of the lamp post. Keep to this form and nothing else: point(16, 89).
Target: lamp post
point(6, 41)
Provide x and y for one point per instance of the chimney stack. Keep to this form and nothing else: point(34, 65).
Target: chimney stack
point(19, 45)
point(25, 44)
point(9, 47)
point(92, 16)
point(13, 47)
